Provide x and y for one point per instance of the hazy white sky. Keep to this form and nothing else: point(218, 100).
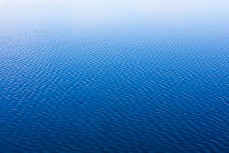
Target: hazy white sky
point(109, 9)
point(124, 5)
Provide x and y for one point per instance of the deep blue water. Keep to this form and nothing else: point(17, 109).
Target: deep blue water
point(111, 77)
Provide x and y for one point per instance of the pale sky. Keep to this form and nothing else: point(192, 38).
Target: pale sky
point(109, 9)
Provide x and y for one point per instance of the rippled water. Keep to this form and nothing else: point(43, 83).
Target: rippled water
point(114, 76)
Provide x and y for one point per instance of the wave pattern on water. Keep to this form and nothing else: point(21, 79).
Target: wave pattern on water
point(134, 87)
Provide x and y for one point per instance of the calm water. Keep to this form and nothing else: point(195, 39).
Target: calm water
point(120, 76)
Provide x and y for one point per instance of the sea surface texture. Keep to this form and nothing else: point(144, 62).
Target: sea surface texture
point(131, 76)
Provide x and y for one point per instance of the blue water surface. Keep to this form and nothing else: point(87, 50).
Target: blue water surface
point(114, 76)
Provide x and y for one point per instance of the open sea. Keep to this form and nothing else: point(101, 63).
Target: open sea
point(131, 76)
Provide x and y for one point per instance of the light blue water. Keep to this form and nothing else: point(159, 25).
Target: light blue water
point(117, 76)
